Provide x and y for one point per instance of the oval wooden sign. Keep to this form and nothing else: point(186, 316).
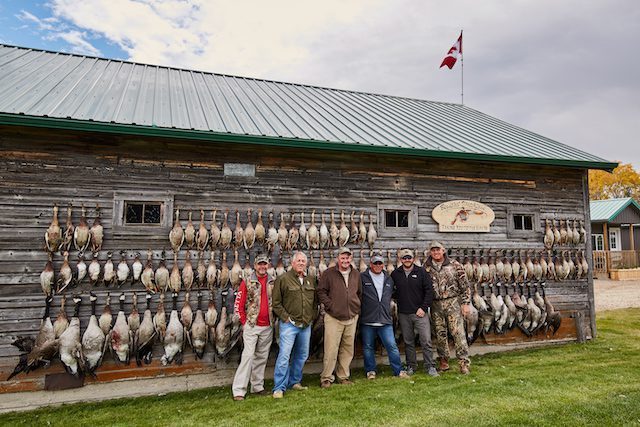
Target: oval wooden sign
point(463, 216)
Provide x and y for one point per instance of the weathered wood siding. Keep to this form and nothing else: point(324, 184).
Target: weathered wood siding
point(40, 168)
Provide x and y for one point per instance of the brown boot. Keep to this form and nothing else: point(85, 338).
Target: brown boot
point(443, 364)
point(464, 368)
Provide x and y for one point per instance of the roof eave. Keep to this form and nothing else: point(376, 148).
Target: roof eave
point(132, 129)
point(631, 201)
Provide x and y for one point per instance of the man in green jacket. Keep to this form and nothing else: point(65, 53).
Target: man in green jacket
point(340, 290)
point(296, 306)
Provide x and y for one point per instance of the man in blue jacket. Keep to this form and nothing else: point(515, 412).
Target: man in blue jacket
point(375, 318)
point(414, 293)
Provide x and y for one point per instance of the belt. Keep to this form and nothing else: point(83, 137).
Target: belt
point(442, 299)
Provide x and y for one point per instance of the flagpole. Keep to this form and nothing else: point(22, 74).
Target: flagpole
point(462, 70)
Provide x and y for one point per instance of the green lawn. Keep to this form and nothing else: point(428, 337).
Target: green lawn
point(597, 383)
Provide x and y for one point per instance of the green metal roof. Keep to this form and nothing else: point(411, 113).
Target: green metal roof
point(65, 91)
point(607, 210)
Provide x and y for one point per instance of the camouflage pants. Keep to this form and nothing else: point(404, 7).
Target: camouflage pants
point(447, 312)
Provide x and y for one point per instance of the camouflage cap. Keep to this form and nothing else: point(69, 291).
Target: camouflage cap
point(377, 257)
point(262, 258)
point(405, 252)
point(436, 244)
point(344, 250)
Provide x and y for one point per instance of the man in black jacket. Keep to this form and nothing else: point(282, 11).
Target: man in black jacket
point(414, 294)
point(375, 318)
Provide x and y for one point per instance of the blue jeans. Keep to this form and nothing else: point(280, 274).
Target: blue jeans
point(385, 333)
point(294, 351)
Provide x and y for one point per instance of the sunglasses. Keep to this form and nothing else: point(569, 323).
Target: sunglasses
point(378, 263)
point(407, 257)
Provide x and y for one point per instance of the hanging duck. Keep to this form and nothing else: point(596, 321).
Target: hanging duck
point(199, 330)
point(69, 229)
point(106, 317)
point(175, 279)
point(238, 232)
point(236, 270)
point(108, 271)
point(372, 234)
point(123, 270)
point(334, 233)
point(145, 336)
point(94, 270)
point(224, 271)
point(303, 233)
point(260, 231)
point(362, 231)
point(190, 232)
point(322, 265)
point(136, 268)
point(160, 319)
point(548, 235)
point(97, 232)
point(81, 269)
point(93, 339)
point(119, 338)
point(343, 237)
point(283, 234)
point(294, 234)
point(313, 235)
point(556, 233)
point(53, 235)
point(355, 231)
point(70, 348)
point(212, 272)
point(202, 235)
point(324, 232)
point(201, 271)
point(133, 320)
point(62, 321)
point(176, 235)
point(187, 272)
point(162, 275)
point(226, 235)
point(272, 234)
point(148, 275)
point(210, 318)
point(249, 235)
point(47, 277)
point(81, 234)
point(174, 338)
point(215, 231)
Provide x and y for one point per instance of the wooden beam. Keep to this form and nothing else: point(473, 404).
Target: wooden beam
point(631, 239)
point(605, 235)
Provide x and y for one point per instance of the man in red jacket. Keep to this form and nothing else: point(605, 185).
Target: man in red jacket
point(340, 290)
point(253, 305)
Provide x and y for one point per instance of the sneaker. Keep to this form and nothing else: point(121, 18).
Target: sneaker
point(345, 381)
point(278, 394)
point(410, 371)
point(298, 387)
point(432, 372)
point(325, 384)
point(403, 374)
point(371, 375)
point(259, 393)
point(238, 398)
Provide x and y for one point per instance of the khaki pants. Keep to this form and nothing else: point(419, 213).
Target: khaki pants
point(257, 342)
point(339, 342)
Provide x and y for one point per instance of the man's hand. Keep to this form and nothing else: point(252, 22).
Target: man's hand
point(420, 313)
point(465, 309)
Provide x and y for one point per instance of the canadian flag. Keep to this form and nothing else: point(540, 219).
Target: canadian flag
point(452, 55)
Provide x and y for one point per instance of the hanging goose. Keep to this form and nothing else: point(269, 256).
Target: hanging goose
point(471, 326)
point(81, 234)
point(324, 232)
point(47, 277)
point(190, 232)
point(145, 336)
point(162, 275)
point(106, 317)
point(109, 272)
point(313, 233)
point(70, 348)
point(201, 271)
point(69, 229)
point(302, 231)
point(334, 233)
point(226, 235)
point(548, 235)
point(215, 231)
point(294, 234)
point(175, 279)
point(343, 237)
point(212, 272)
point(372, 234)
point(97, 232)
point(160, 319)
point(187, 272)
point(238, 232)
point(236, 271)
point(81, 269)
point(93, 340)
point(176, 235)
point(355, 231)
point(174, 336)
point(362, 231)
point(148, 276)
point(94, 270)
point(202, 235)
point(123, 270)
point(136, 268)
point(133, 320)
point(260, 231)
point(62, 321)
point(224, 271)
point(282, 233)
point(119, 338)
point(249, 232)
point(199, 330)
point(53, 235)
point(554, 319)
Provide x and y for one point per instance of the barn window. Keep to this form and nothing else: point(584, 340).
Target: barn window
point(522, 222)
point(143, 213)
point(396, 218)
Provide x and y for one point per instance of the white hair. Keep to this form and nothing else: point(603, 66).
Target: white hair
point(299, 254)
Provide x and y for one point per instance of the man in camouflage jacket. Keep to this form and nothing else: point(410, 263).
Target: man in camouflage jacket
point(452, 297)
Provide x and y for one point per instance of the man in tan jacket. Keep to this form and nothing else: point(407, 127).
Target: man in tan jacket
point(340, 290)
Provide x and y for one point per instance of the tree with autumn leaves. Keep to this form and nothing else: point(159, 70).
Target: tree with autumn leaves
point(624, 181)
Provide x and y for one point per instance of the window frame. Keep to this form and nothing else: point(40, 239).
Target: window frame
point(617, 234)
point(410, 231)
point(120, 200)
point(524, 211)
point(595, 239)
point(144, 206)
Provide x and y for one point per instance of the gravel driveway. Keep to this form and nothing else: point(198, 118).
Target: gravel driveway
point(612, 294)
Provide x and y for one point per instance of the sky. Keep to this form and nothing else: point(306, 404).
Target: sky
point(563, 69)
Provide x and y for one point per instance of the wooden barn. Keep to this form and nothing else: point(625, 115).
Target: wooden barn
point(132, 144)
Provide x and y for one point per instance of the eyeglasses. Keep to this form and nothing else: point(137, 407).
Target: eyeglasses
point(378, 263)
point(407, 257)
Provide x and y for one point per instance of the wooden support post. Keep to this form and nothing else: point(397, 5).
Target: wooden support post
point(631, 240)
point(605, 236)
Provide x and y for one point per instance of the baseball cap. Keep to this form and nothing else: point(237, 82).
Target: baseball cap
point(377, 257)
point(344, 250)
point(262, 258)
point(405, 252)
point(436, 244)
